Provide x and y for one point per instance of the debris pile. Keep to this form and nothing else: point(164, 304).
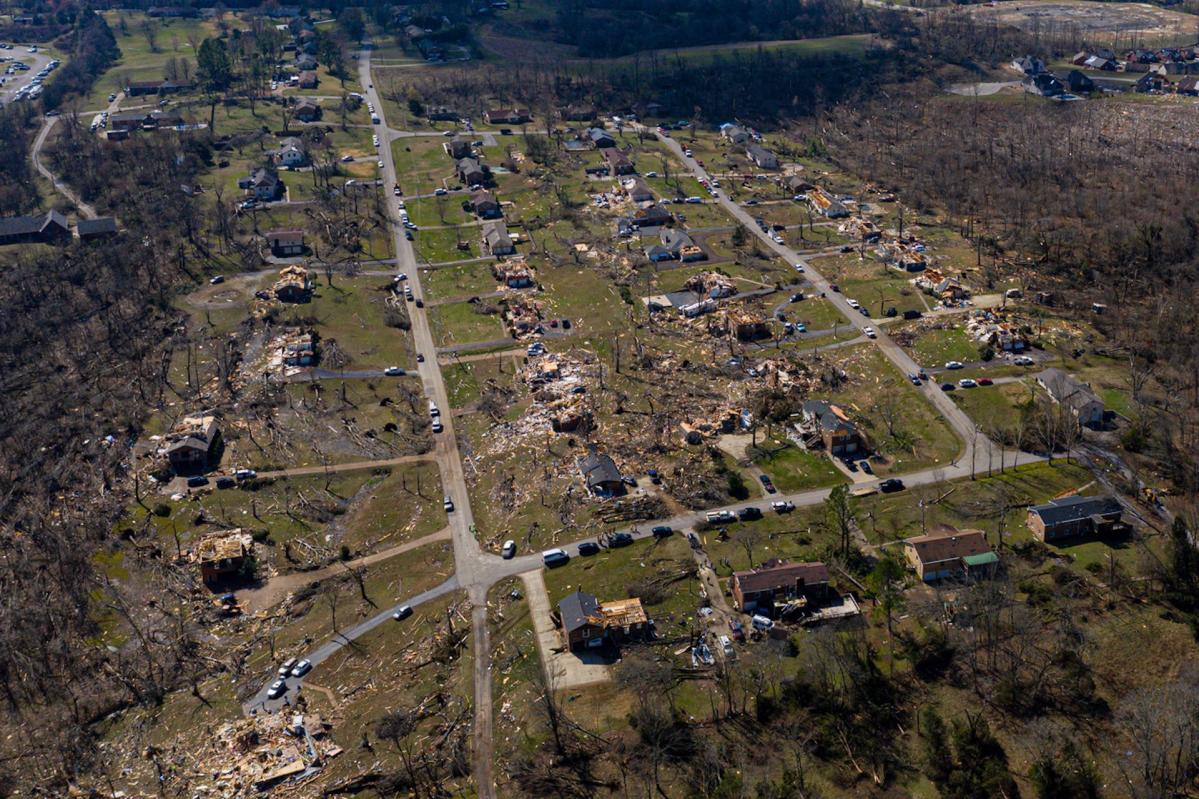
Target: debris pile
point(559, 388)
point(994, 329)
point(523, 316)
point(515, 273)
point(711, 284)
point(949, 290)
point(859, 228)
point(222, 555)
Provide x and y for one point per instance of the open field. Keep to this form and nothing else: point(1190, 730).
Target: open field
point(1101, 23)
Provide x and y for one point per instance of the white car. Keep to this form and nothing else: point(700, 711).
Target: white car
point(799, 267)
point(853, 303)
point(437, 428)
point(726, 646)
point(448, 504)
point(509, 550)
point(953, 365)
point(966, 382)
point(782, 506)
point(302, 668)
point(380, 163)
point(869, 331)
point(278, 688)
point(393, 371)
point(287, 666)
point(1023, 360)
point(440, 192)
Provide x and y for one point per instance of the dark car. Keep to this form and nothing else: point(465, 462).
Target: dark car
point(662, 530)
point(566, 324)
point(620, 540)
point(631, 482)
point(834, 287)
point(589, 548)
point(948, 387)
point(767, 483)
point(737, 630)
point(912, 314)
point(892, 311)
point(863, 310)
point(225, 482)
point(865, 467)
point(197, 481)
point(985, 381)
point(915, 379)
point(890, 485)
point(420, 303)
point(797, 297)
point(749, 514)
point(408, 235)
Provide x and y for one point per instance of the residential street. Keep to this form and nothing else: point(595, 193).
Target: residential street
point(477, 571)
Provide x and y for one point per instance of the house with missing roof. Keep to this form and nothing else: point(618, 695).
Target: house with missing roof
point(827, 425)
point(1075, 517)
point(777, 582)
point(194, 444)
point(1074, 394)
point(950, 553)
point(588, 623)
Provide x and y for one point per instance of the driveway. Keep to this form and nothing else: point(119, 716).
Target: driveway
point(563, 668)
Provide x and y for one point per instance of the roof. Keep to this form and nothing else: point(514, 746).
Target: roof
point(496, 233)
point(783, 575)
point(598, 468)
point(98, 226)
point(188, 442)
point(1064, 388)
point(622, 612)
point(1071, 509)
point(25, 225)
point(481, 196)
point(616, 157)
point(578, 610)
point(829, 416)
point(674, 239)
point(758, 152)
point(286, 236)
point(948, 543)
point(468, 165)
point(599, 134)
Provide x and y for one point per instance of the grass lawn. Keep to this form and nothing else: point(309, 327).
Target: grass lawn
point(146, 45)
point(994, 406)
point(422, 163)
point(465, 380)
point(351, 312)
point(445, 210)
point(440, 246)
point(458, 281)
point(458, 323)
point(793, 469)
point(402, 507)
point(934, 347)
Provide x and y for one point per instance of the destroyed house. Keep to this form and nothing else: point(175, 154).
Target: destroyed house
point(777, 582)
point(824, 203)
point(734, 134)
point(1074, 394)
point(298, 349)
point(949, 553)
point(307, 110)
point(222, 557)
point(636, 190)
point(832, 427)
point(618, 162)
point(514, 274)
point(294, 284)
point(1074, 517)
point(600, 473)
point(48, 228)
point(194, 444)
point(587, 623)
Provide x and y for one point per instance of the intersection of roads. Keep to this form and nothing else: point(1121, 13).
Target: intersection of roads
point(476, 570)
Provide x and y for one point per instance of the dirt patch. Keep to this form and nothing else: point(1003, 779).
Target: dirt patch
point(1093, 18)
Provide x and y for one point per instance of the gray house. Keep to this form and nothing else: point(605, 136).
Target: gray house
point(1078, 396)
point(763, 158)
point(600, 473)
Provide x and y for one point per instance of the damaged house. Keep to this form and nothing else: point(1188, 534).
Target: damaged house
point(294, 284)
point(950, 553)
point(589, 624)
point(600, 474)
point(777, 582)
point(827, 425)
point(222, 557)
point(194, 444)
point(1074, 394)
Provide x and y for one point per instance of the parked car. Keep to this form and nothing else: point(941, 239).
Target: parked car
point(394, 371)
point(737, 629)
point(797, 297)
point(767, 483)
point(197, 481)
point(869, 331)
point(948, 386)
point(278, 688)
point(662, 530)
point(509, 549)
point(557, 557)
point(245, 474)
point(437, 426)
point(782, 506)
point(588, 548)
point(721, 516)
point(890, 485)
point(749, 514)
point(865, 467)
point(620, 540)
point(966, 382)
point(402, 612)
point(1023, 360)
point(302, 668)
point(726, 646)
point(448, 504)
point(953, 365)
point(420, 357)
point(915, 379)
point(287, 666)
point(912, 314)
point(215, 279)
point(225, 482)
point(440, 192)
point(986, 381)
point(799, 267)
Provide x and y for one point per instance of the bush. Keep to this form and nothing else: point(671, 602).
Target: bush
point(162, 510)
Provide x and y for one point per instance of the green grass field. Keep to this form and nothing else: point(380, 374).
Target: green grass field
point(458, 281)
point(458, 323)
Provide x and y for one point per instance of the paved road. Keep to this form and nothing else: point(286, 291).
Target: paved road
point(85, 210)
point(260, 702)
point(300, 471)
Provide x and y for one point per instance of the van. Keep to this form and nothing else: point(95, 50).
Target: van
point(721, 516)
point(554, 557)
point(288, 665)
point(761, 623)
